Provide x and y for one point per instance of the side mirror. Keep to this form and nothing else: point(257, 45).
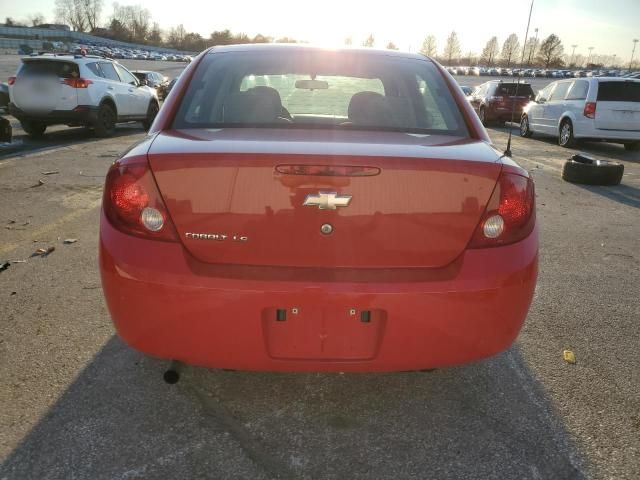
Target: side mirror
point(144, 83)
point(540, 100)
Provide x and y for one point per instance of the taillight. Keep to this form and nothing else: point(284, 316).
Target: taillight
point(510, 214)
point(133, 204)
point(590, 110)
point(77, 82)
point(11, 80)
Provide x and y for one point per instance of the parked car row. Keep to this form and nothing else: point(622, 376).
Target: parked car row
point(595, 108)
point(129, 53)
point(539, 72)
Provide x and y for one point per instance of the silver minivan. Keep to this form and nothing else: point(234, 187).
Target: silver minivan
point(599, 108)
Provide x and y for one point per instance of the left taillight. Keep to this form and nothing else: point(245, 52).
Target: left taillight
point(510, 214)
point(77, 82)
point(590, 110)
point(133, 205)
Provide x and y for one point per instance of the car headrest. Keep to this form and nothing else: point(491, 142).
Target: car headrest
point(256, 105)
point(370, 108)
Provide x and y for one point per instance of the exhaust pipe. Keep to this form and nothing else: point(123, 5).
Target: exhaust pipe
point(172, 374)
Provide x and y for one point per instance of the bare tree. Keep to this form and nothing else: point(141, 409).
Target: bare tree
point(510, 48)
point(429, 46)
point(155, 35)
point(369, 42)
point(134, 19)
point(551, 51)
point(529, 49)
point(490, 51)
point(223, 37)
point(71, 12)
point(348, 41)
point(391, 46)
point(470, 58)
point(452, 48)
point(92, 10)
point(36, 19)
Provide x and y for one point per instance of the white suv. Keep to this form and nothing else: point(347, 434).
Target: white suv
point(78, 90)
point(599, 108)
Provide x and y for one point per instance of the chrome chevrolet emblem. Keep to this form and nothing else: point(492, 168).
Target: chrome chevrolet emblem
point(327, 200)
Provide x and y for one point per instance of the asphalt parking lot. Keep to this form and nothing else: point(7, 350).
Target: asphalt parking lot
point(78, 403)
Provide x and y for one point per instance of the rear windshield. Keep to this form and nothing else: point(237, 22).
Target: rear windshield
point(509, 89)
point(319, 90)
point(49, 67)
point(619, 92)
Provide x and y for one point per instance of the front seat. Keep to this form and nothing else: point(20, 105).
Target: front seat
point(256, 105)
point(370, 109)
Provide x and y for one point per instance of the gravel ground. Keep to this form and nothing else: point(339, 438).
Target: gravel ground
point(78, 403)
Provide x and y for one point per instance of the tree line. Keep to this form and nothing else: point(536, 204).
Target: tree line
point(547, 53)
point(133, 23)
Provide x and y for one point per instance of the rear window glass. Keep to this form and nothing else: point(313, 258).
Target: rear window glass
point(509, 89)
point(49, 67)
point(619, 92)
point(319, 90)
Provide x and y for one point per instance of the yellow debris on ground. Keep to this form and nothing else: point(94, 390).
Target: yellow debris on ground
point(569, 356)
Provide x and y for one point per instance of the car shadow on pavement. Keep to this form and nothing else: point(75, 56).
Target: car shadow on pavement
point(624, 194)
point(63, 137)
point(118, 420)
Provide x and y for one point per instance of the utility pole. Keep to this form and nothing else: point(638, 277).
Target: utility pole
point(635, 42)
point(613, 63)
point(589, 59)
point(573, 53)
point(532, 52)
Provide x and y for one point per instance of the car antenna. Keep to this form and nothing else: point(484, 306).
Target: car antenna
point(507, 152)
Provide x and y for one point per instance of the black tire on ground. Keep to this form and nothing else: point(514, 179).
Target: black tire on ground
point(105, 124)
point(565, 134)
point(33, 129)
point(632, 147)
point(152, 111)
point(525, 131)
point(592, 172)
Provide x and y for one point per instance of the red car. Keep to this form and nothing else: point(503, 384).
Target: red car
point(496, 101)
point(301, 209)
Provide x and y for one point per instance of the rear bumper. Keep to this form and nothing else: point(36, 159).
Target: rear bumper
point(504, 113)
point(586, 129)
point(82, 114)
point(168, 305)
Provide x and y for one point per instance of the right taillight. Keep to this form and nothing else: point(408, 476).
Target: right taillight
point(510, 214)
point(133, 205)
point(590, 110)
point(76, 82)
point(11, 80)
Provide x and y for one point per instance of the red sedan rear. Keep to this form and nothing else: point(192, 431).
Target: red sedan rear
point(300, 209)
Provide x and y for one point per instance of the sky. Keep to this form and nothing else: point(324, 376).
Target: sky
point(609, 26)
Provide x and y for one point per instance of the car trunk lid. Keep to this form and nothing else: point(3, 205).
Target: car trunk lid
point(262, 196)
